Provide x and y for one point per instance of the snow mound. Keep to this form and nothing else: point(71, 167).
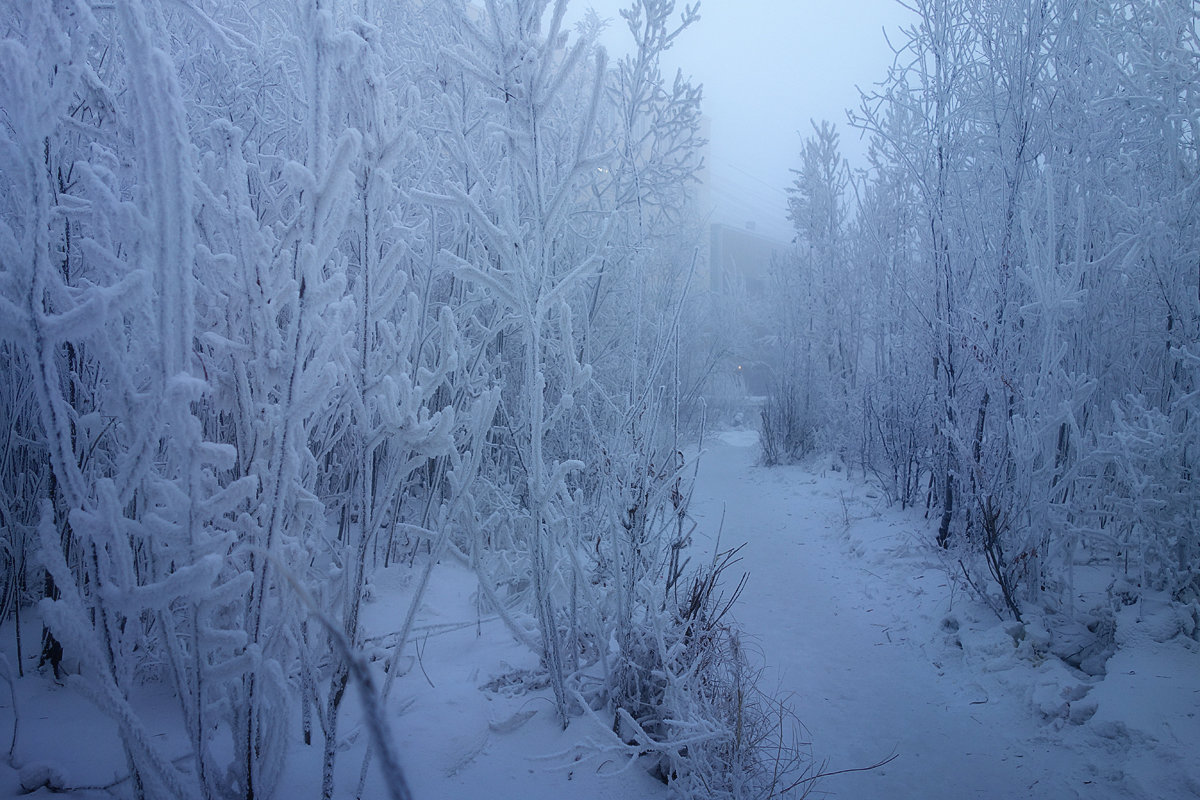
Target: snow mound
point(1059, 695)
point(39, 775)
point(1156, 620)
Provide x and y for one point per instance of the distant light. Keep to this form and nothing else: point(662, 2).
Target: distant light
point(739, 367)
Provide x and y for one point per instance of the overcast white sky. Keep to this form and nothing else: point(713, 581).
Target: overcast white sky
point(768, 67)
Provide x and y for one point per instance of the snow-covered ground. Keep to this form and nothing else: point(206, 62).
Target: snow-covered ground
point(857, 619)
point(852, 614)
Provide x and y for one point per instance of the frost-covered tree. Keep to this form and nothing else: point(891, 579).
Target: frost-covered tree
point(521, 209)
point(815, 345)
point(1049, 174)
point(100, 275)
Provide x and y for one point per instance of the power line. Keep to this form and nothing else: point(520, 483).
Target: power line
point(748, 174)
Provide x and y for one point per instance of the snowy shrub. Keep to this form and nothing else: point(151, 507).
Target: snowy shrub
point(895, 441)
point(788, 428)
point(1154, 497)
point(25, 471)
point(686, 696)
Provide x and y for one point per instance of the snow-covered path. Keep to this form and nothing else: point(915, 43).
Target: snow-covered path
point(854, 618)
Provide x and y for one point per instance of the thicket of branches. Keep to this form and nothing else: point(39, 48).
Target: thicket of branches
point(1002, 319)
point(288, 289)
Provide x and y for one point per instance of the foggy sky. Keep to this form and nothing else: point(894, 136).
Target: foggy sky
point(768, 67)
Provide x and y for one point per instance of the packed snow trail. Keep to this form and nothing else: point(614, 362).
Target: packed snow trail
point(857, 621)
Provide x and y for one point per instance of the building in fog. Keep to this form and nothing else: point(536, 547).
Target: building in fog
point(740, 263)
point(739, 260)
